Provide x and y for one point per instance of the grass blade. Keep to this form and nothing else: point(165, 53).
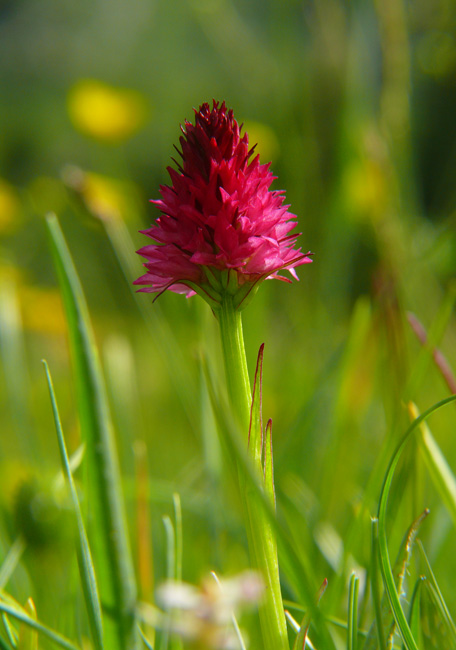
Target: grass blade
point(401, 566)
point(352, 636)
point(237, 629)
point(385, 622)
point(11, 561)
point(238, 632)
point(110, 540)
point(439, 358)
point(418, 372)
point(4, 645)
point(439, 470)
point(28, 637)
point(20, 615)
point(170, 548)
point(179, 536)
point(385, 564)
point(438, 596)
point(10, 632)
point(86, 569)
point(375, 586)
point(292, 622)
point(145, 640)
point(303, 629)
point(415, 612)
point(170, 573)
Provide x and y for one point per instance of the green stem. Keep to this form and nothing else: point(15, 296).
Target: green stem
point(237, 374)
point(260, 535)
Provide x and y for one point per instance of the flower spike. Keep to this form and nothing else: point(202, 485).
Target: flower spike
point(219, 215)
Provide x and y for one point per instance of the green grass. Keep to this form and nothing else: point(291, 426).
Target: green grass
point(140, 481)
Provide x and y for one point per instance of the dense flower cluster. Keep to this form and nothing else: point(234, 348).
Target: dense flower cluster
point(221, 228)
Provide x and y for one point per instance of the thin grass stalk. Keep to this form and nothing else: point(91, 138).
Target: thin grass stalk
point(11, 561)
point(4, 645)
point(10, 631)
point(352, 636)
point(415, 611)
point(440, 601)
point(385, 563)
point(375, 586)
point(23, 617)
point(110, 544)
point(86, 568)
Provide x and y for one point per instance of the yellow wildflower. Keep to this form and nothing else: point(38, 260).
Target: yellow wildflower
point(104, 112)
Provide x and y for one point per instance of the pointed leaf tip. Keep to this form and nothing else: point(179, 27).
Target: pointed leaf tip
point(322, 589)
point(255, 442)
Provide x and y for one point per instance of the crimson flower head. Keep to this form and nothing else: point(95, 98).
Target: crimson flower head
point(222, 230)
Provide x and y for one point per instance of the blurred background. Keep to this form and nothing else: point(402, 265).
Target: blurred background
point(354, 103)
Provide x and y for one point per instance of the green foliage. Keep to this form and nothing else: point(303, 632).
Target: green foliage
point(108, 520)
point(85, 562)
point(354, 104)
